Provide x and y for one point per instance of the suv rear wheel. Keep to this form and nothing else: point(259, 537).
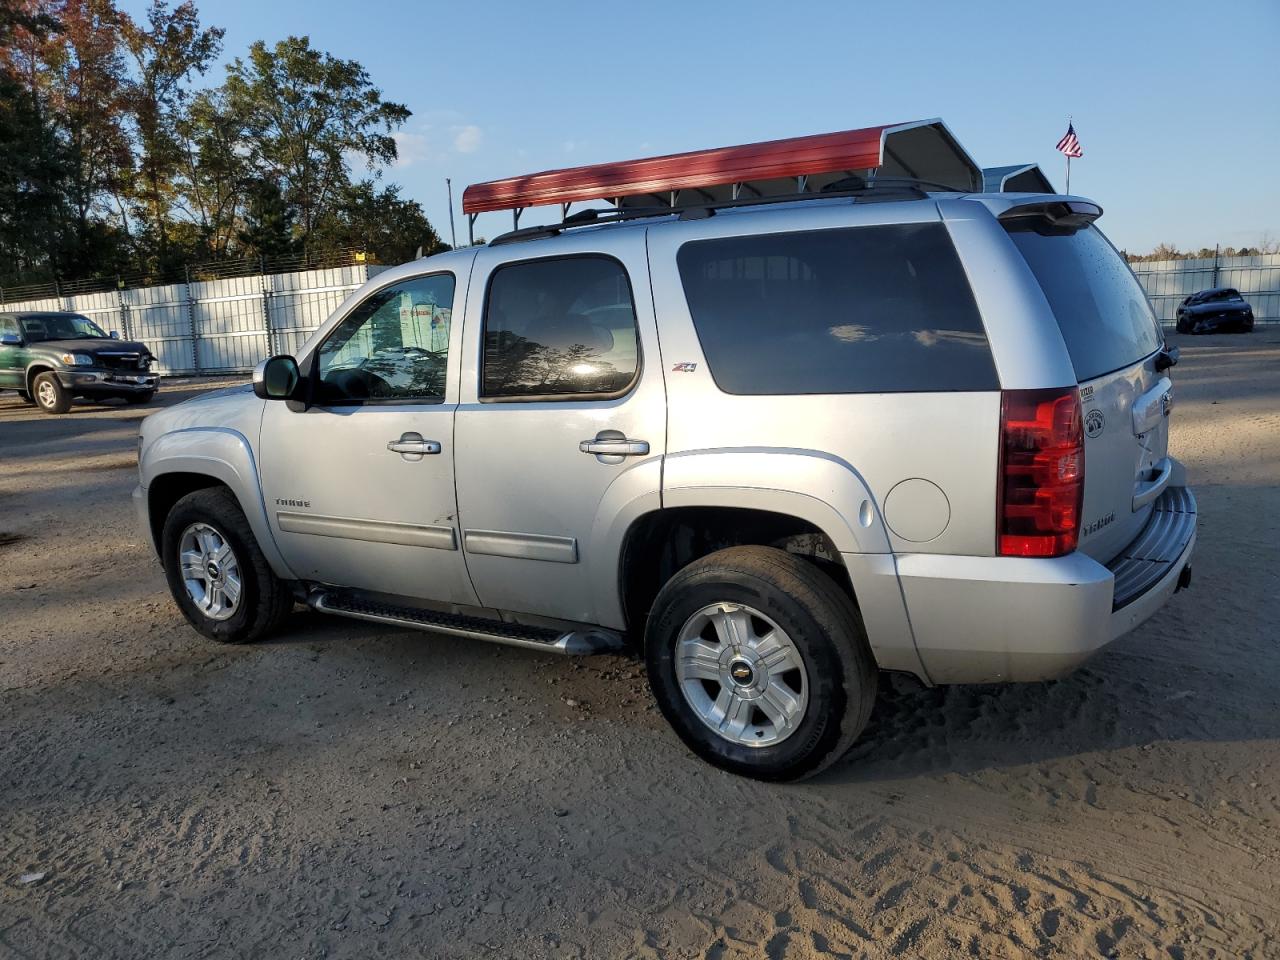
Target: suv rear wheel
point(216, 571)
point(760, 663)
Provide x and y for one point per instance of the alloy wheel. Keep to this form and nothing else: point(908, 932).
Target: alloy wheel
point(742, 675)
point(210, 571)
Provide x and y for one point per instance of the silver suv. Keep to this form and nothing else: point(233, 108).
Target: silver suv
point(774, 448)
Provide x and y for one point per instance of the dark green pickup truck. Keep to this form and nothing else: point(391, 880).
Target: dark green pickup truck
point(52, 358)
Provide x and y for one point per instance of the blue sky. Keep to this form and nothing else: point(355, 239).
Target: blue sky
point(1175, 102)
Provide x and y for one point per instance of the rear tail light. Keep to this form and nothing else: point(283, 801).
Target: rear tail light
point(1041, 483)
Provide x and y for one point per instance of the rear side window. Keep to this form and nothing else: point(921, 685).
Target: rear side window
point(560, 329)
point(884, 309)
point(1101, 309)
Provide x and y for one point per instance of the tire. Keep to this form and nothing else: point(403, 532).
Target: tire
point(263, 601)
point(778, 591)
point(26, 397)
point(139, 397)
point(49, 394)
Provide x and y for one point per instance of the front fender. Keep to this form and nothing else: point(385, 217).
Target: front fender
point(814, 486)
point(226, 456)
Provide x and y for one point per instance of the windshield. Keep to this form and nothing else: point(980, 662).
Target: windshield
point(1099, 305)
point(59, 326)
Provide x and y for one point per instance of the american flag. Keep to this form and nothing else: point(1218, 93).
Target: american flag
point(1070, 144)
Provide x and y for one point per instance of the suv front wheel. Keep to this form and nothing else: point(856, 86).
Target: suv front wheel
point(49, 393)
point(760, 663)
point(216, 571)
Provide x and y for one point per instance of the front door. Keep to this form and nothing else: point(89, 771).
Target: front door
point(562, 422)
point(359, 487)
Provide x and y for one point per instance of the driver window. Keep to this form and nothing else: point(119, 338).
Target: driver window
point(393, 346)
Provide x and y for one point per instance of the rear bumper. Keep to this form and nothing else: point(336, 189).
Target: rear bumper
point(1001, 619)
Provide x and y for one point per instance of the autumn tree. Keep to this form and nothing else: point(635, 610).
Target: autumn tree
point(304, 113)
point(166, 51)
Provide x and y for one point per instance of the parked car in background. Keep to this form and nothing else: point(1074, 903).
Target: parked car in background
point(52, 358)
point(1220, 310)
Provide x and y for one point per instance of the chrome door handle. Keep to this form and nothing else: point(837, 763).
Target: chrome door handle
point(411, 446)
point(609, 447)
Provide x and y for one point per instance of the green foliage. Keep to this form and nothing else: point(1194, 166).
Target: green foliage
point(111, 161)
point(1167, 251)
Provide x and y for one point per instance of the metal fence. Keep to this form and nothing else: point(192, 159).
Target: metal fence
point(1167, 282)
point(216, 326)
point(227, 325)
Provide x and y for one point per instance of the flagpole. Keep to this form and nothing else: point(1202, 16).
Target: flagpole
point(1068, 157)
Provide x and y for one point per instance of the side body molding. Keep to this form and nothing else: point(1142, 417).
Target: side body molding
point(225, 455)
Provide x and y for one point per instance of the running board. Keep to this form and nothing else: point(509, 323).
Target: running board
point(575, 642)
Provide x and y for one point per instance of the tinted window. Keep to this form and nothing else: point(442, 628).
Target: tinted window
point(559, 328)
point(59, 326)
point(393, 346)
point(1101, 309)
point(863, 310)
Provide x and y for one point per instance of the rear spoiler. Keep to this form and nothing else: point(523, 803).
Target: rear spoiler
point(1053, 217)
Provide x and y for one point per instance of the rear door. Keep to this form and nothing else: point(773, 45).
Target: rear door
point(1113, 338)
point(562, 421)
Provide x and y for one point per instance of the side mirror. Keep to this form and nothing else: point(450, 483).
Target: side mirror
point(10, 340)
point(115, 334)
point(1166, 358)
point(276, 378)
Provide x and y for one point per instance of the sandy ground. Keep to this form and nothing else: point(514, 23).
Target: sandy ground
point(350, 791)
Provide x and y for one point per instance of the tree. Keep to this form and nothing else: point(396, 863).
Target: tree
point(304, 113)
point(166, 51)
point(81, 81)
point(33, 167)
point(380, 222)
point(215, 173)
point(267, 229)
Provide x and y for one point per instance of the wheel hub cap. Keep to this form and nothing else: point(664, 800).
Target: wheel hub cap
point(210, 571)
point(742, 674)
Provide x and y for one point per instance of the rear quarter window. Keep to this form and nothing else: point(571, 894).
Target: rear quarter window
point(882, 309)
point(1100, 307)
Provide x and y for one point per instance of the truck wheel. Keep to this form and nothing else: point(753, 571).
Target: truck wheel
point(760, 663)
point(50, 395)
point(139, 397)
point(216, 571)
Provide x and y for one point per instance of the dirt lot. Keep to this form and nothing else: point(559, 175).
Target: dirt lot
point(352, 791)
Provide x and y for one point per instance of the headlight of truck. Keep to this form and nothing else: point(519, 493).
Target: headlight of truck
point(77, 359)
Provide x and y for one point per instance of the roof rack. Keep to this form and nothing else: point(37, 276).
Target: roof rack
point(751, 172)
point(879, 189)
